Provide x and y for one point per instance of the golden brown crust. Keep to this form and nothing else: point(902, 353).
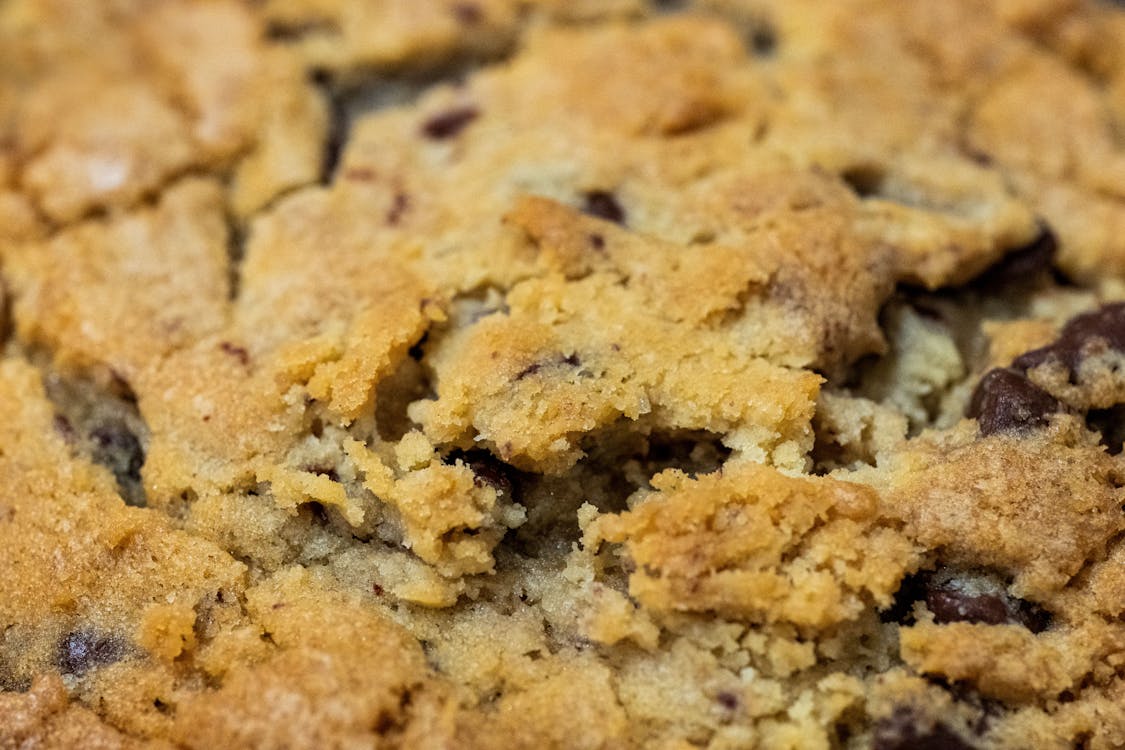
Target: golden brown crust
point(526, 373)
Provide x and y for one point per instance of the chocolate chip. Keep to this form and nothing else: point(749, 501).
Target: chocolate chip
point(1006, 401)
point(952, 606)
point(238, 352)
point(65, 428)
point(571, 360)
point(763, 39)
point(983, 158)
point(1085, 335)
point(114, 446)
point(597, 242)
point(360, 174)
point(1022, 263)
point(467, 13)
point(954, 595)
point(906, 729)
point(278, 31)
point(399, 206)
point(604, 205)
point(487, 470)
point(449, 123)
point(83, 650)
point(727, 700)
point(979, 597)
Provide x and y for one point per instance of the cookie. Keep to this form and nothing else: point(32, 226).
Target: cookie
point(724, 374)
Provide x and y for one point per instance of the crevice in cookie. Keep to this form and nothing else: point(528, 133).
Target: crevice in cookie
point(409, 382)
point(359, 93)
point(923, 363)
point(936, 343)
point(849, 432)
point(620, 462)
point(338, 125)
point(102, 423)
point(237, 236)
point(762, 37)
point(1023, 267)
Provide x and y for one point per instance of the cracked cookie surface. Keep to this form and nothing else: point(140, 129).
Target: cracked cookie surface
point(524, 373)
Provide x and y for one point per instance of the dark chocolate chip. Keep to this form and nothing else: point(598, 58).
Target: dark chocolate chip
point(399, 206)
point(82, 650)
point(65, 428)
point(597, 242)
point(727, 700)
point(360, 174)
point(906, 729)
point(954, 606)
point(1006, 401)
point(604, 205)
point(954, 596)
point(763, 39)
point(283, 32)
point(449, 123)
point(571, 360)
point(958, 596)
point(469, 14)
point(1087, 334)
point(487, 470)
point(238, 352)
point(1022, 263)
point(114, 446)
point(978, 156)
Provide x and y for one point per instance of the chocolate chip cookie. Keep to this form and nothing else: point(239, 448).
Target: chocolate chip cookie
point(532, 374)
